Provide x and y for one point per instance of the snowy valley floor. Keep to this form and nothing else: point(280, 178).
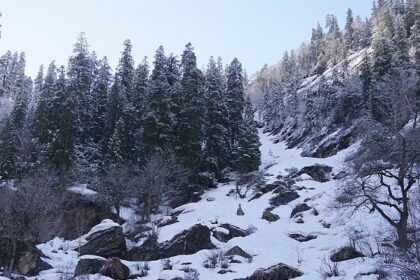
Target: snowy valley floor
point(270, 244)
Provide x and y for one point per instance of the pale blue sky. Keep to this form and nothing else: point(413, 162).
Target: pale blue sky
point(255, 31)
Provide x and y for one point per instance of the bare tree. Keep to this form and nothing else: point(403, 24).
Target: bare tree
point(23, 208)
point(384, 171)
point(115, 185)
point(160, 177)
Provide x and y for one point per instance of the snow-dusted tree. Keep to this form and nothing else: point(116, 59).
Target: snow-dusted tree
point(247, 153)
point(349, 32)
point(217, 129)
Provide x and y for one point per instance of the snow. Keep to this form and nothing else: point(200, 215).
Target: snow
point(83, 189)
point(270, 244)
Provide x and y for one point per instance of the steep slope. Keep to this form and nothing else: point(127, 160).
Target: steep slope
point(269, 242)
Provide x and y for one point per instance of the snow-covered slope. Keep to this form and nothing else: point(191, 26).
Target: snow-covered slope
point(270, 244)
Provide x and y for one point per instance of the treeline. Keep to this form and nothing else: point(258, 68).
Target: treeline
point(83, 117)
point(370, 69)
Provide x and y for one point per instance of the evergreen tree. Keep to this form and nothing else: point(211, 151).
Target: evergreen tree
point(217, 129)
point(236, 100)
point(349, 34)
point(248, 153)
point(366, 76)
point(157, 130)
point(190, 128)
point(383, 49)
point(400, 42)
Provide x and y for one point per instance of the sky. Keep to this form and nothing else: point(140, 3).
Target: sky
point(255, 31)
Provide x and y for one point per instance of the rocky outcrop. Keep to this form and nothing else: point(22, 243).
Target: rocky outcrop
point(233, 231)
point(115, 269)
point(302, 207)
point(318, 172)
point(27, 258)
point(276, 272)
point(188, 242)
point(345, 253)
point(105, 243)
point(87, 266)
point(270, 216)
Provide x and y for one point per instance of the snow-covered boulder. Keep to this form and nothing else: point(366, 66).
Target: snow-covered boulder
point(89, 265)
point(345, 253)
point(105, 240)
point(276, 272)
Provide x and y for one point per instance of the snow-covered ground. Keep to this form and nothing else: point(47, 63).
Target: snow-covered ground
point(270, 244)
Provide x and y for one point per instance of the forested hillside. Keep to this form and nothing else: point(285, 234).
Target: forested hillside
point(326, 94)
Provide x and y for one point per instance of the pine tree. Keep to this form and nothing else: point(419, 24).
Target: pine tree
point(157, 130)
point(217, 129)
point(349, 34)
point(383, 49)
point(400, 42)
point(236, 100)
point(247, 152)
point(415, 43)
point(190, 128)
point(366, 76)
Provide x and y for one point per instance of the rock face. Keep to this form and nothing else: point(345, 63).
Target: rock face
point(188, 242)
point(89, 266)
point(27, 259)
point(237, 251)
point(345, 253)
point(318, 172)
point(105, 243)
point(233, 232)
point(302, 207)
point(75, 208)
point(276, 272)
point(115, 269)
point(269, 216)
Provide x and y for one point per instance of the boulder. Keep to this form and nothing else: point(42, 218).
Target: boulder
point(188, 242)
point(276, 272)
point(27, 259)
point(87, 266)
point(301, 237)
point(284, 196)
point(115, 269)
point(270, 216)
point(105, 243)
point(318, 172)
point(233, 232)
point(237, 251)
point(345, 253)
point(302, 207)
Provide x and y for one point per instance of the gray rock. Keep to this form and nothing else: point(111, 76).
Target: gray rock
point(89, 266)
point(302, 207)
point(301, 237)
point(105, 243)
point(115, 269)
point(318, 172)
point(270, 216)
point(276, 272)
point(237, 251)
point(345, 253)
point(234, 231)
point(284, 196)
point(27, 258)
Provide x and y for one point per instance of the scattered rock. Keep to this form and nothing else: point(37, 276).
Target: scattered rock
point(301, 237)
point(115, 269)
point(233, 232)
point(105, 243)
point(345, 253)
point(237, 251)
point(188, 242)
point(210, 199)
point(168, 222)
point(318, 172)
point(276, 272)
point(27, 258)
point(240, 212)
point(270, 216)
point(87, 266)
point(284, 196)
point(302, 207)
point(300, 221)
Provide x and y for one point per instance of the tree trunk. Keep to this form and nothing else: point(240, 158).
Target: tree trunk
point(402, 233)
